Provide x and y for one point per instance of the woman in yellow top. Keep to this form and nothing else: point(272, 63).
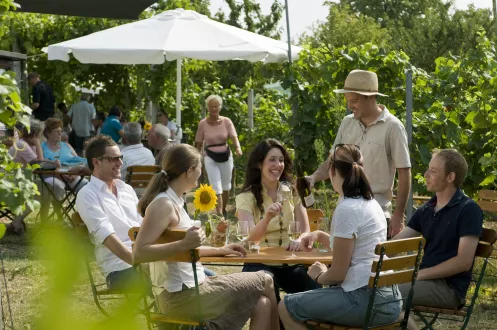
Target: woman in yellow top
point(268, 165)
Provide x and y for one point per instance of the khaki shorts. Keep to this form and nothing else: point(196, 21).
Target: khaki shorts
point(227, 301)
point(432, 293)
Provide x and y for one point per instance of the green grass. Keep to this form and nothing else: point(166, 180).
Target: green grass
point(43, 271)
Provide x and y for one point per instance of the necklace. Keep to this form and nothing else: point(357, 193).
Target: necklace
point(55, 146)
point(280, 241)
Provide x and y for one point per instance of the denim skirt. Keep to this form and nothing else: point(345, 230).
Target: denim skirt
point(336, 306)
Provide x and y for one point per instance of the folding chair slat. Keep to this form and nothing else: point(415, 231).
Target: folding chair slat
point(489, 236)
point(488, 206)
point(487, 194)
point(396, 263)
point(139, 176)
point(168, 236)
point(139, 184)
point(156, 317)
point(400, 277)
point(399, 246)
point(426, 309)
point(314, 216)
point(484, 251)
point(143, 168)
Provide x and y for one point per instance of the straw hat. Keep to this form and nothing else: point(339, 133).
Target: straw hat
point(361, 82)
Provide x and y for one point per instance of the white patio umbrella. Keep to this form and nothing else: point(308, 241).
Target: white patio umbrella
point(172, 35)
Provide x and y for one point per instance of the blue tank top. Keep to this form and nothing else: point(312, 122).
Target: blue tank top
point(65, 154)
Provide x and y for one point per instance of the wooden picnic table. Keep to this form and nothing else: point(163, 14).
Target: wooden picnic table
point(274, 255)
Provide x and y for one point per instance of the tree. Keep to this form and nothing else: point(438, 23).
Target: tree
point(393, 12)
point(343, 27)
point(16, 188)
point(434, 34)
point(247, 14)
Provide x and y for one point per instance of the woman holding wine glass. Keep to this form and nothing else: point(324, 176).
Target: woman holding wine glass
point(56, 150)
point(358, 226)
point(271, 207)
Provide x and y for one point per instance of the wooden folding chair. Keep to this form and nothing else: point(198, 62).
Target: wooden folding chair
point(314, 216)
point(487, 200)
point(483, 251)
point(192, 256)
point(138, 176)
point(100, 291)
point(402, 269)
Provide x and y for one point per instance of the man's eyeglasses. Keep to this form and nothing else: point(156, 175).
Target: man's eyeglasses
point(112, 159)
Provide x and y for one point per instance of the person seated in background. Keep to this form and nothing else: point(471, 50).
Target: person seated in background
point(134, 152)
point(107, 206)
point(8, 135)
point(112, 124)
point(268, 165)
point(27, 151)
point(54, 149)
point(451, 223)
point(98, 123)
point(158, 139)
point(176, 131)
point(358, 225)
point(228, 301)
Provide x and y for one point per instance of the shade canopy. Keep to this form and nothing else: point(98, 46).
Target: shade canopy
point(171, 35)
point(116, 9)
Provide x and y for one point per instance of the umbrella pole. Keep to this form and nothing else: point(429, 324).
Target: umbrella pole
point(178, 92)
point(293, 105)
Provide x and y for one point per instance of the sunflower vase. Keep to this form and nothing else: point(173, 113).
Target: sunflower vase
point(218, 231)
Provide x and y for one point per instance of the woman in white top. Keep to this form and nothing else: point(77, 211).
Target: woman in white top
point(358, 226)
point(227, 301)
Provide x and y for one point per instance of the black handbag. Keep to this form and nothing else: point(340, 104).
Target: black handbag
point(218, 157)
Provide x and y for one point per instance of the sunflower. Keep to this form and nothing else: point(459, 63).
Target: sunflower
point(205, 198)
point(147, 126)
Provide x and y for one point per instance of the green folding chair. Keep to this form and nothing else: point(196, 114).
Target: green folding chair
point(429, 315)
point(401, 269)
point(192, 256)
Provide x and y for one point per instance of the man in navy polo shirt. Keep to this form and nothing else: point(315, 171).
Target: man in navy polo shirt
point(451, 223)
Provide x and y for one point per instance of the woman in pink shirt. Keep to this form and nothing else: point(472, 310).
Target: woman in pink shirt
point(212, 134)
point(27, 151)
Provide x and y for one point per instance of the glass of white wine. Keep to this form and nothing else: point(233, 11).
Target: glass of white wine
point(284, 193)
point(242, 230)
point(294, 232)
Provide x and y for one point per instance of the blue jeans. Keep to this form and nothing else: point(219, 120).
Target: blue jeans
point(209, 272)
point(345, 308)
point(129, 281)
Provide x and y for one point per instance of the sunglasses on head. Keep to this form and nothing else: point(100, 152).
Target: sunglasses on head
point(339, 145)
point(112, 159)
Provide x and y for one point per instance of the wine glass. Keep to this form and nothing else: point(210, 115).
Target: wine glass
point(56, 157)
point(284, 193)
point(242, 230)
point(294, 232)
point(324, 225)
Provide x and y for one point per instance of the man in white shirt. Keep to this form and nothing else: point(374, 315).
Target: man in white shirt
point(82, 114)
point(134, 152)
point(108, 208)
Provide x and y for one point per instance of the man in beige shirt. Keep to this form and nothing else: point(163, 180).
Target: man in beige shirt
point(382, 140)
